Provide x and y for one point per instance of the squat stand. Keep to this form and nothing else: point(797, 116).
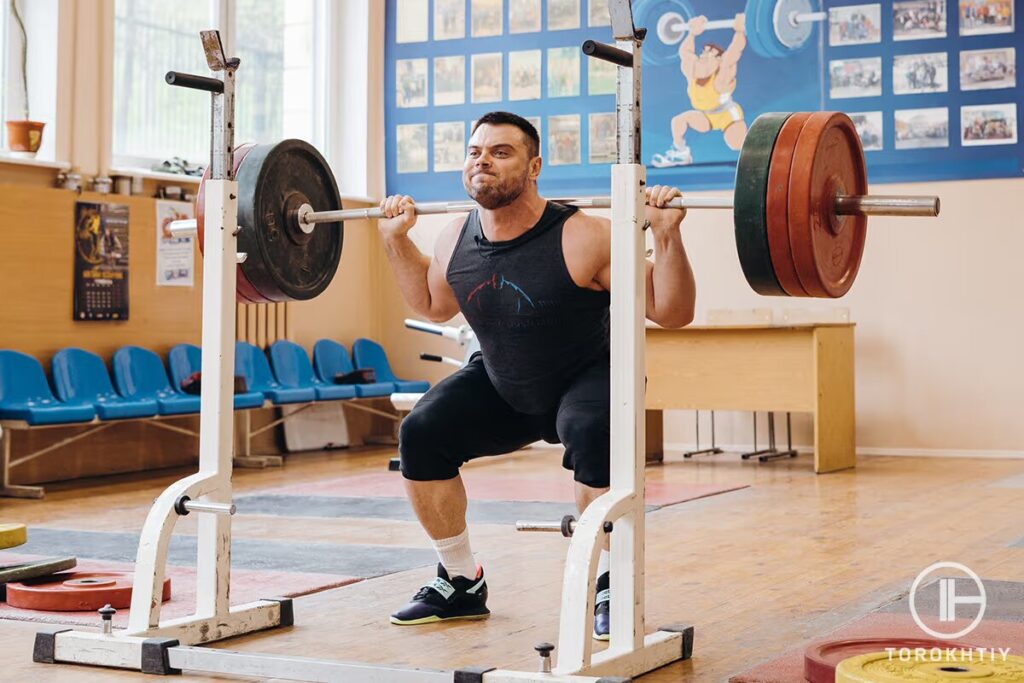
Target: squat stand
point(168, 647)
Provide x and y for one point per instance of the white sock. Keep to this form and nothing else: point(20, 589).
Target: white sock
point(602, 562)
point(456, 555)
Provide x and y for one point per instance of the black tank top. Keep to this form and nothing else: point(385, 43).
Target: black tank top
point(537, 328)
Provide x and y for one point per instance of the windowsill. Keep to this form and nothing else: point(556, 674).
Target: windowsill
point(156, 175)
point(38, 163)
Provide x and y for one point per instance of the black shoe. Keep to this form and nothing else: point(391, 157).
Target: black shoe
point(444, 599)
point(601, 605)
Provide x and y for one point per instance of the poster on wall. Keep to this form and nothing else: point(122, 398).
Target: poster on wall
point(101, 261)
point(175, 255)
point(930, 84)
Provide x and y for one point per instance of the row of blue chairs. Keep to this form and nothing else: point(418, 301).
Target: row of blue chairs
point(84, 390)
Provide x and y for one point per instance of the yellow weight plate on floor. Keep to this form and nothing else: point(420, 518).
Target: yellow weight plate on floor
point(12, 535)
point(881, 667)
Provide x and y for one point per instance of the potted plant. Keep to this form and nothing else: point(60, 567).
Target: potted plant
point(24, 136)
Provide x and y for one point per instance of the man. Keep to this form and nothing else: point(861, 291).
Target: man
point(532, 279)
point(711, 81)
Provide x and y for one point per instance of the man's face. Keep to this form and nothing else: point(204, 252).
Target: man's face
point(498, 166)
point(708, 62)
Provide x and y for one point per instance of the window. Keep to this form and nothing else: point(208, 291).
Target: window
point(40, 20)
point(279, 82)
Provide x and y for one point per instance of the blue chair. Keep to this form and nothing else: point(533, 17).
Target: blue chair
point(25, 394)
point(140, 374)
point(185, 359)
point(81, 377)
point(369, 354)
point(254, 366)
point(331, 359)
point(293, 369)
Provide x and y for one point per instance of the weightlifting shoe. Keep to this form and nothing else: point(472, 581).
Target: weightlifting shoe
point(446, 599)
point(601, 606)
point(674, 156)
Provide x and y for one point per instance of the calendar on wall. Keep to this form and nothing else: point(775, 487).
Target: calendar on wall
point(101, 261)
point(931, 85)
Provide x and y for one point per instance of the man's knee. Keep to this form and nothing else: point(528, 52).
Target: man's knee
point(585, 431)
point(421, 449)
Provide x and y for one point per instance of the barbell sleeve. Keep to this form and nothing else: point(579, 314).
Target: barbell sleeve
point(548, 527)
point(845, 205)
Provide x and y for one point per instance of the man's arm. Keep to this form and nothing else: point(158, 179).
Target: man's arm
point(688, 48)
point(671, 289)
point(732, 54)
point(421, 278)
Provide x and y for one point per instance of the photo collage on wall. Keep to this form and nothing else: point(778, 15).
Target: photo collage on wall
point(975, 53)
point(497, 58)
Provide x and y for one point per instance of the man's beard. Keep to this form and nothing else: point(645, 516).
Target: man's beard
point(496, 196)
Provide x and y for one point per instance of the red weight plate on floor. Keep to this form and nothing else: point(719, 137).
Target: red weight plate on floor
point(821, 659)
point(244, 292)
point(777, 204)
point(828, 161)
point(76, 592)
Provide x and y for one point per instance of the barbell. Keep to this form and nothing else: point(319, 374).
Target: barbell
point(800, 208)
point(774, 28)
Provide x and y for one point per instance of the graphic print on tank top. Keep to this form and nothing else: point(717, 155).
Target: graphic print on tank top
point(537, 328)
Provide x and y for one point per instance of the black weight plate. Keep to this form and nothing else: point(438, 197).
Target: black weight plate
point(750, 204)
point(284, 263)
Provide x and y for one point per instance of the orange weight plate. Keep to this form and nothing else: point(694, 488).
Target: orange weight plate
point(244, 292)
point(821, 659)
point(828, 161)
point(777, 204)
point(76, 591)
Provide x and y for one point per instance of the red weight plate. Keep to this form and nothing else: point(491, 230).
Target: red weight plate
point(244, 292)
point(828, 161)
point(76, 592)
point(777, 204)
point(821, 659)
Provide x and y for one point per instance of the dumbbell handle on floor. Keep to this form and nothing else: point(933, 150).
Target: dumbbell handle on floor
point(852, 205)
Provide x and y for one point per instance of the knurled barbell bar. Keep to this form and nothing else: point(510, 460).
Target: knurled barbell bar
point(800, 209)
point(774, 28)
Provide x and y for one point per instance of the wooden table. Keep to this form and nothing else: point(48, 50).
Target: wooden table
point(782, 368)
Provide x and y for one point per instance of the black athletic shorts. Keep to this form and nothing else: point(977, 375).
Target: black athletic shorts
point(463, 417)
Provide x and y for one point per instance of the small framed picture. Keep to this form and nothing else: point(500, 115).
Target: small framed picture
point(523, 16)
point(524, 75)
point(988, 124)
point(487, 79)
point(564, 71)
point(563, 14)
point(985, 16)
point(449, 19)
point(855, 77)
point(449, 145)
point(598, 14)
point(855, 25)
point(603, 138)
point(488, 16)
point(410, 83)
point(988, 69)
point(914, 74)
point(411, 147)
point(411, 21)
point(918, 19)
point(449, 80)
point(564, 140)
point(869, 128)
point(602, 77)
point(920, 128)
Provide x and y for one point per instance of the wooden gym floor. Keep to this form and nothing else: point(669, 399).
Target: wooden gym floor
point(758, 571)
